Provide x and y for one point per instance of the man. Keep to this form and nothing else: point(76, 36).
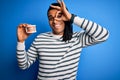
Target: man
point(58, 51)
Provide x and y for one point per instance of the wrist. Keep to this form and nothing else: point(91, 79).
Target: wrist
point(20, 46)
point(72, 18)
point(21, 41)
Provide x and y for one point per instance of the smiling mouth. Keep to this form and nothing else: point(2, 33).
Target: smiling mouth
point(57, 26)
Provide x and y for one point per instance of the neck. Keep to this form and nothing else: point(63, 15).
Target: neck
point(57, 34)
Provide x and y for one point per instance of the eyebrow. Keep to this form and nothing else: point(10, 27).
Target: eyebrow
point(49, 15)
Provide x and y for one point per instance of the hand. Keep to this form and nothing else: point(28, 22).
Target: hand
point(21, 32)
point(66, 15)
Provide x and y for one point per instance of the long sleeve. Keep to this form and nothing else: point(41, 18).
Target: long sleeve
point(25, 59)
point(92, 34)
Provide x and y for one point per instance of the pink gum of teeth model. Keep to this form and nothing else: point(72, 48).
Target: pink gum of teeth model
point(31, 29)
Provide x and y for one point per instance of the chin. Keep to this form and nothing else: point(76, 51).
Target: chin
point(58, 33)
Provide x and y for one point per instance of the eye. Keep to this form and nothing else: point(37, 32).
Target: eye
point(59, 15)
point(50, 18)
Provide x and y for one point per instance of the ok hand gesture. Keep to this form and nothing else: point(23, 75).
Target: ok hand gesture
point(65, 14)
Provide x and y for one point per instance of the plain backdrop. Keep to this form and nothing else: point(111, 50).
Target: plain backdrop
point(98, 62)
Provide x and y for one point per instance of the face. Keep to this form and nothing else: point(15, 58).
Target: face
point(55, 21)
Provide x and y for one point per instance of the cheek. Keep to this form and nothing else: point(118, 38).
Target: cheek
point(50, 23)
point(63, 25)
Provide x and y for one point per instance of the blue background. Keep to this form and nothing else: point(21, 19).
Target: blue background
point(98, 62)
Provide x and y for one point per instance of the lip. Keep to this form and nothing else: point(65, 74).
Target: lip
point(57, 25)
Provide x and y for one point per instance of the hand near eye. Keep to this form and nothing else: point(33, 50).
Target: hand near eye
point(65, 14)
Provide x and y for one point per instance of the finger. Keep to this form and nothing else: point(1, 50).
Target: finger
point(25, 25)
point(58, 19)
point(62, 3)
point(22, 25)
point(59, 1)
point(57, 13)
point(56, 7)
point(61, 19)
point(64, 19)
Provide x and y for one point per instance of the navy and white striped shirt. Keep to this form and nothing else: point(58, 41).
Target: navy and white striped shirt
point(58, 60)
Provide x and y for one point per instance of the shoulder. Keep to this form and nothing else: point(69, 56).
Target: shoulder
point(43, 34)
point(41, 38)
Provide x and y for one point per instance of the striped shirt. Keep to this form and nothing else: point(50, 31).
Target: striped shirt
point(58, 60)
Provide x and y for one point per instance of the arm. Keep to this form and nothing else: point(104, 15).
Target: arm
point(25, 59)
point(93, 33)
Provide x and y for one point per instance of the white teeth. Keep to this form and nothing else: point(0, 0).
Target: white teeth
point(57, 25)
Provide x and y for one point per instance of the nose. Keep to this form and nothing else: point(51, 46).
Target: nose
point(55, 20)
